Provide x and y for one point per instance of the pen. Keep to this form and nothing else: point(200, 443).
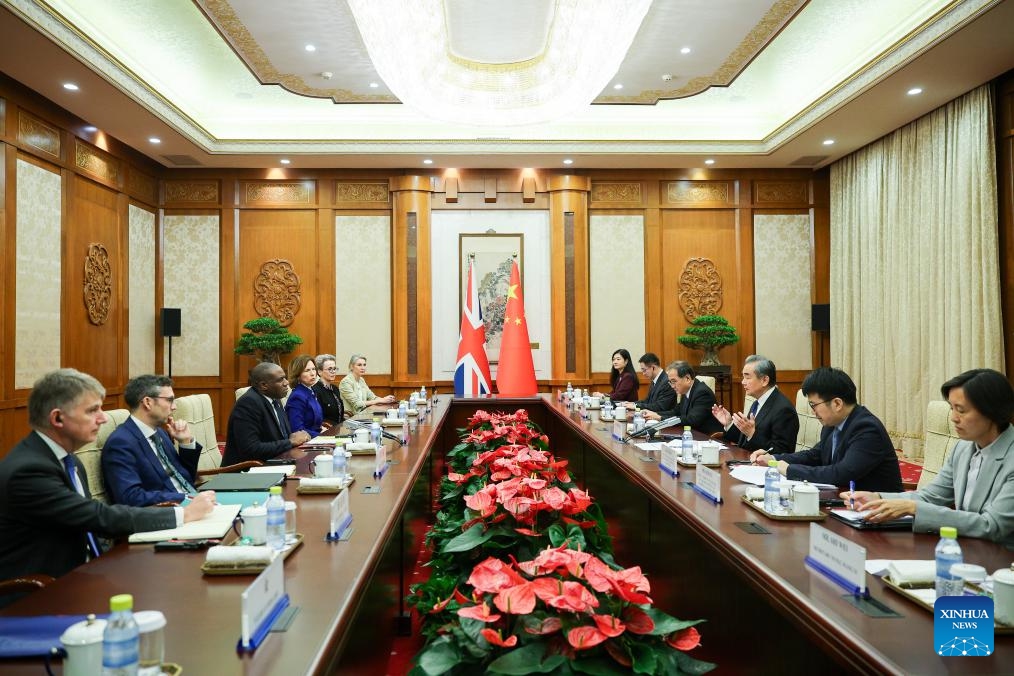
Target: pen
point(852, 495)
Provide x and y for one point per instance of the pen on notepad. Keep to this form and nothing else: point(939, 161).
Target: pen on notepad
point(852, 495)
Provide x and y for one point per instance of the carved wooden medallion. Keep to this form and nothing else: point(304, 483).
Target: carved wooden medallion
point(700, 288)
point(276, 291)
point(98, 284)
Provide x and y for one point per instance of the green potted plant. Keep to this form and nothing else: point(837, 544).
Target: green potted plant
point(709, 333)
point(266, 338)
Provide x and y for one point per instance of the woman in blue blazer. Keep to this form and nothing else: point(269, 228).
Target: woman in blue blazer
point(303, 409)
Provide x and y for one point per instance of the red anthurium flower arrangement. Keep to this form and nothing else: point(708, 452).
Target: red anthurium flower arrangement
point(523, 578)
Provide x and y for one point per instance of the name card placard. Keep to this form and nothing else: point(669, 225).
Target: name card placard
point(381, 466)
point(838, 559)
point(708, 482)
point(619, 429)
point(341, 516)
point(261, 604)
point(667, 461)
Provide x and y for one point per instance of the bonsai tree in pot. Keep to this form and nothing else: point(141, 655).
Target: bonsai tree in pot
point(709, 333)
point(266, 338)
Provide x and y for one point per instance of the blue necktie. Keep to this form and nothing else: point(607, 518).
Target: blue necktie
point(68, 463)
point(753, 409)
point(834, 443)
point(283, 419)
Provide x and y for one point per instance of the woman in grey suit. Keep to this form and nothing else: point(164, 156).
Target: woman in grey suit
point(974, 491)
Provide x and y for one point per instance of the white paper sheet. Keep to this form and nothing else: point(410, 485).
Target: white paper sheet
point(650, 446)
point(287, 470)
point(215, 525)
point(754, 474)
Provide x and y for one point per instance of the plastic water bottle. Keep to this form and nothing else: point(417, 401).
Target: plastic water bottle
point(948, 553)
point(121, 638)
point(403, 409)
point(376, 434)
point(772, 488)
point(583, 408)
point(276, 518)
point(570, 390)
point(422, 393)
point(688, 444)
point(607, 409)
point(341, 463)
point(413, 400)
point(638, 420)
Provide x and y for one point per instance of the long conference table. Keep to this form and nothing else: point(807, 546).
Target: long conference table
point(766, 611)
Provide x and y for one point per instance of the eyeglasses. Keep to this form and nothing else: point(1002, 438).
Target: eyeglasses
point(168, 399)
point(330, 369)
point(815, 404)
point(673, 381)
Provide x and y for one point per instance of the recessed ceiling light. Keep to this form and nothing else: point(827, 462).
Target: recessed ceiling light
point(154, 139)
point(90, 128)
point(427, 161)
point(284, 161)
point(310, 48)
point(709, 161)
point(829, 141)
point(914, 91)
point(70, 86)
point(374, 85)
point(685, 50)
point(618, 86)
point(568, 161)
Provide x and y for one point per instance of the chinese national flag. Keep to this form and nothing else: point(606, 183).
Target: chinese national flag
point(516, 374)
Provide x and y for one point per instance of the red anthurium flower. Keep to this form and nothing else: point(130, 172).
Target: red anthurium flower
point(554, 497)
point(534, 484)
point(609, 625)
point(495, 639)
point(480, 613)
point(440, 605)
point(579, 524)
point(542, 627)
point(517, 600)
point(638, 621)
point(578, 501)
point(599, 575)
point(684, 639)
point(478, 418)
point(457, 478)
point(585, 637)
point(483, 501)
point(459, 597)
point(575, 597)
point(547, 587)
point(528, 531)
point(492, 575)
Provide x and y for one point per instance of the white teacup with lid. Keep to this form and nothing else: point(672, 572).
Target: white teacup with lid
point(83, 643)
point(323, 466)
point(805, 499)
point(1003, 596)
point(151, 641)
point(254, 520)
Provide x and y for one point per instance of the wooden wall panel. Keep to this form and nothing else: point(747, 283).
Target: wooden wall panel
point(94, 212)
point(287, 236)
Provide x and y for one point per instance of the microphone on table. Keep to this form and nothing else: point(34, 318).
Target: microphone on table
point(650, 430)
point(363, 425)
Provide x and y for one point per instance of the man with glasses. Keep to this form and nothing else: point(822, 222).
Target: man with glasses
point(696, 399)
point(661, 397)
point(853, 446)
point(141, 465)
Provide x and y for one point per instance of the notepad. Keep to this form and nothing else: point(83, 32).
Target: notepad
point(246, 481)
point(287, 470)
point(858, 520)
point(215, 525)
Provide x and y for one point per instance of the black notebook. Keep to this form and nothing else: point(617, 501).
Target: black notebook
point(260, 481)
point(848, 518)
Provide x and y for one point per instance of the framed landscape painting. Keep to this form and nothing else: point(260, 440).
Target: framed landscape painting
point(493, 253)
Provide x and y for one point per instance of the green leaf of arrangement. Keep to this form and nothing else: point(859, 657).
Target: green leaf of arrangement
point(471, 538)
point(439, 658)
point(557, 535)
point(644, 658)
point(665, 623)
point(598, 666)
point(690, 665)
point(526, 660)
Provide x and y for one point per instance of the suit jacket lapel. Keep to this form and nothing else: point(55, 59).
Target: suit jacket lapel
point(987, 473)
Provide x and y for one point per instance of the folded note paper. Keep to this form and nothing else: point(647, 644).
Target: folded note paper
point(912, 572)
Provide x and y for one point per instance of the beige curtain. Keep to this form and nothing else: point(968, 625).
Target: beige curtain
point(915, 285)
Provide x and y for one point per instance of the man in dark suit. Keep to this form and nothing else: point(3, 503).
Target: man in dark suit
point(771, 423)
point(853, 446)
point(140, 463)
point(696, 399)
point(258, 426)
point(661, 397)
point(48, 522)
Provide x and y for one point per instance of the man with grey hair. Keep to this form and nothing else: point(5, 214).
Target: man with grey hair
point(48, 522)
point(140, 463)
point(258, 426)
point(695, 399)
point(326, 389)
point(771, 422)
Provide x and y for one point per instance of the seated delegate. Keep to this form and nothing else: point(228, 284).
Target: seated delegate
point(661, 396)
point(853, 446)
point(48, 522)
point(974, 491)
point(326, 389)
point(356, 394)
point(622, 378)
point(771, 423)
point(696, 400)
point(258, 427)
point(302, 407)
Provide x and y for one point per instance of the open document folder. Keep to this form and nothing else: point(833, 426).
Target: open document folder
point(215, 525)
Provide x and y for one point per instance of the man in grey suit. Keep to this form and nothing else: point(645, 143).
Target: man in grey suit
point(974, 491)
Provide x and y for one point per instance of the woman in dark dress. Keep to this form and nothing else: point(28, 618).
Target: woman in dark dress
point(622, 378)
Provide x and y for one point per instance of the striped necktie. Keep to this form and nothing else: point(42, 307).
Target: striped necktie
point(68, 463)
point(185, 486)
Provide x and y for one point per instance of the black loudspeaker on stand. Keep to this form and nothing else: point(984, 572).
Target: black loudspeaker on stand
point(172, 326)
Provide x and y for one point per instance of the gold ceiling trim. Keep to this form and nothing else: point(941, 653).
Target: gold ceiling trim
point(235, 33)
point(766, 30)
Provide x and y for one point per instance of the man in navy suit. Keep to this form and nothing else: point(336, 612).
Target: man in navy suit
point(853, 446)
point(771, 423)
point(140, 464)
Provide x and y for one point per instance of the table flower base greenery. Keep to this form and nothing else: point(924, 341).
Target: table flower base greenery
point(523, 579)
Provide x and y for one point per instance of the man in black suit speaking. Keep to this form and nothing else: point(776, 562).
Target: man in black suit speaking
point(258, 426)
point(48, 522)
point(771, 423)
